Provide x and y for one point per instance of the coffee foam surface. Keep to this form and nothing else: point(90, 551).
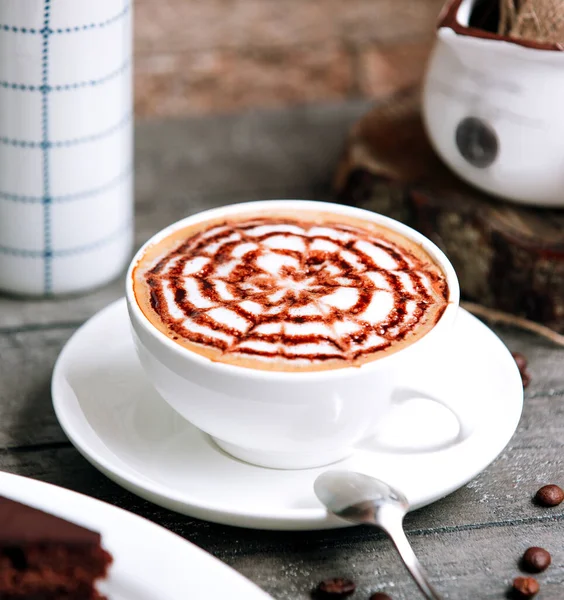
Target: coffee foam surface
point(282, 293)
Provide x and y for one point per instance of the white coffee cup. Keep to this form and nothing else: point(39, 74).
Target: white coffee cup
point(285, 419)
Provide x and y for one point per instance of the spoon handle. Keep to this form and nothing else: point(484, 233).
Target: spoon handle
point(397, 535)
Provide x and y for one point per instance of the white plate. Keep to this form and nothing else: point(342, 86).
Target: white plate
point(119, 423)
point(150, 562)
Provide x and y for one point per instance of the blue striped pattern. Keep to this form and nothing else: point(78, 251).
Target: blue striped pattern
point(108, 239)
point(47, 240)
point(46, 144)
point(22, 87)
point(48, 31)
point(106, 187)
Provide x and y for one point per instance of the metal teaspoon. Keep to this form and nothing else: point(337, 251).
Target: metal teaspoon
point(365, 500)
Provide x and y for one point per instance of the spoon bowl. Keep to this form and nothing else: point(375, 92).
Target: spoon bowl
point(345, 492)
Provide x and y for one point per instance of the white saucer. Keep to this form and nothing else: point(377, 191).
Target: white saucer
point(150, 562)
point(115, 419)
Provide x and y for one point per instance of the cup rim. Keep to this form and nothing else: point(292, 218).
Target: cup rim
point(284, 204)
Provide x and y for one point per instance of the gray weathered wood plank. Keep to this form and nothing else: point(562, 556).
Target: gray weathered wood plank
point(470, 541)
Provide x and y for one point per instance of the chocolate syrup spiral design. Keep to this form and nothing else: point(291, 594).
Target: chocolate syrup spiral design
point(285, 290)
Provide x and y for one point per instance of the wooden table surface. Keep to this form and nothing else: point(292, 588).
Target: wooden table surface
point(470, 541)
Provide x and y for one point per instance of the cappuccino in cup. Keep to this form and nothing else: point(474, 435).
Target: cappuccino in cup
point(287, 291)
point(284, 328)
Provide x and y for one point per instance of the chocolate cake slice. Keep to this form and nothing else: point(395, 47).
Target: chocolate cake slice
point(43, 557)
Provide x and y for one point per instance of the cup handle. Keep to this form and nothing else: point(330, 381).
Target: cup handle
point(401, 396)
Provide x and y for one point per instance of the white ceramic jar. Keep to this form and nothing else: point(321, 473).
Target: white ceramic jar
point(65, 144)
point(493, 109)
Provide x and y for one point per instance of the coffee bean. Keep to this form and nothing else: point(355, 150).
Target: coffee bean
point(549, 495)
point(525, 587)
point(525, 378)
point(536, 560)
point(380, 596)
point(520, 359)
point(522, 366)
point(338, 587)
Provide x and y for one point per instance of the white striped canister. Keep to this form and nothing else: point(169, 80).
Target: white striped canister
point(66, 200)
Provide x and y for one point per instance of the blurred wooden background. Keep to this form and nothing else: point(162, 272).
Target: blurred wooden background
point(223, 56)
